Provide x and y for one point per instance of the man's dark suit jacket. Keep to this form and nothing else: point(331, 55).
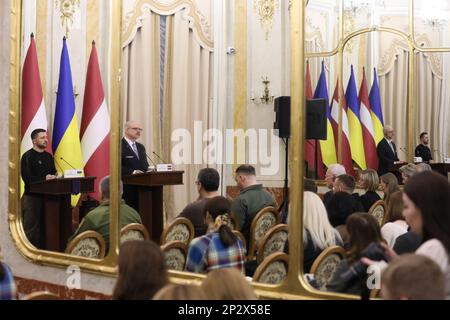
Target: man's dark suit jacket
point(386, 156)
point(131, 162)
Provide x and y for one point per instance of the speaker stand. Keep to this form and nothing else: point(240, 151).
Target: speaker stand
point(284, 207)
point(316, 159)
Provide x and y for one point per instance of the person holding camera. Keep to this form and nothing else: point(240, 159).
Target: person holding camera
point(426, 201)
point(365, 238)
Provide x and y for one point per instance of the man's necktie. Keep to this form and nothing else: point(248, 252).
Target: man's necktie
point(135, 149)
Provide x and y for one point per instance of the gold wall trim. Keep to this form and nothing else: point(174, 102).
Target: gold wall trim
point(67, 9)
point(41, 41)
point(93, 21)
point(266, 9)
point(197, 22)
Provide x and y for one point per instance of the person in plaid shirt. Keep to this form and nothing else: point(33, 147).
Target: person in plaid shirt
point(219, 248)
point(8, 289)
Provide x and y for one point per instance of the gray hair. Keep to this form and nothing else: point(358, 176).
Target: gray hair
point(386, 129)
point(337, 169)
point(420, 167)
point(105, 190)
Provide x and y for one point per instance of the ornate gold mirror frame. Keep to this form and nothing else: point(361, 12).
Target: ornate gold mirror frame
point(106, 266)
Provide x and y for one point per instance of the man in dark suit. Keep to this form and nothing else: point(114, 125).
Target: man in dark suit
point(422, 150)
point(134, 160)
point(387, 152)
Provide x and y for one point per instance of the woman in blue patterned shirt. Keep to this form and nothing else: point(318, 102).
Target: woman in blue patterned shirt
point(219, 248)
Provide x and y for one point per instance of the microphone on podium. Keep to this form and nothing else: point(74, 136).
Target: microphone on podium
point(164, 166)
point(153, 163)
point(75, 173)
point(68, 163)
point(162, 160)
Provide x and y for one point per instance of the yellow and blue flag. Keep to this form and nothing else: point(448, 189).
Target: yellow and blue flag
point(66, 142)
point(328, 146)
point(376, 111)
point(354, 123)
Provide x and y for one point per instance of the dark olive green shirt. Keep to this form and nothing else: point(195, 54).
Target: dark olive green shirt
point(98, 220)
point(249, 202)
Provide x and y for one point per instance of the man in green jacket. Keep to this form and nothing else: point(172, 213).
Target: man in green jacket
point(98, 219)
point(252, 198)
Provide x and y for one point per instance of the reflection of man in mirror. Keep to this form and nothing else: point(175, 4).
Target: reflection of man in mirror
point(98, 219)
point(422, 150)
point(387, 152)
point(134, 160)
point(36, 165)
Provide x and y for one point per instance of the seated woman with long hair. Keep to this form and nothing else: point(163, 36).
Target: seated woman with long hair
point(389, 185)
point(395, 222)
point(220, 247)
point(370, 182)
point(363, 229)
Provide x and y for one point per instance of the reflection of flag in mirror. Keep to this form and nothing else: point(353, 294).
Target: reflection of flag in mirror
point(33, 107)
point(376, 111)
point(346, 153)
point(370, 148)
point(354, 124)
point(310, 145)
point(95, 125)
point(66, 141)
point(328, 147)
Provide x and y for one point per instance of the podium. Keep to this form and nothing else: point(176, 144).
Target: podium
point(442, 168)
point(150, 195)
point(58, 210)
point(395, 169)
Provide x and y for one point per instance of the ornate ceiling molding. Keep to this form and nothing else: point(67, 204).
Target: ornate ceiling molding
point(197, 22)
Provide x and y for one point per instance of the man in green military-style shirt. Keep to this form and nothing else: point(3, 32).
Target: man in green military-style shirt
point(98, 219)
point(252, 198)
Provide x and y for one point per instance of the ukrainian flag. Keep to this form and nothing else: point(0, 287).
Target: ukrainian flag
point(354, 123)
point(66, 142)
point(376, 111)
point(327, 147)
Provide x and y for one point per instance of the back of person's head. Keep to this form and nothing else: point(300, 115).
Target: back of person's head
point(370, 180)
point(430, 193)
point(413, 277)
point(315, 220)
point(180, 292)
point(142, 271)
point(337, 169)
point(105, 187)
point(346, 183)
point(227, 284)
point(246, 169)
point(209, 179)
point(341, 205)
point(408, 170)
point(309, 185)
point(391, 182)
point(219, 209)
point(395, 207)
point(363, 229)
point(421, 167)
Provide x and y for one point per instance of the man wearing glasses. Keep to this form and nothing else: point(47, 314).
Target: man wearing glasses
point(134, 160)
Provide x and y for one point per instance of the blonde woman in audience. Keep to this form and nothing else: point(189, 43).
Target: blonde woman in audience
point(407, 171)
point(227, 284)
point(389, 184)
point(413, 277)
point(142, 271)
point(220, 247)
point(395, 222)
point(426, 200)
point(180, 292)
point(369, 182)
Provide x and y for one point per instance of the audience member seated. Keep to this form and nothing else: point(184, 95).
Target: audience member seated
point(413, 277)
point(389, 185)
point(227, 284)
point(142, 271)
point(8, 289)
point(220, 247)
point(341, 206)
point(318, 234)
point(369, 182)
point(426, 200)
point(208, 181)
point(363, 230)
point(421, 167)
point(395, 224)
point(252, 198)
point(309, 185)
point(407, 171)
point(98, 219)
point(333, 171)
point(177, 292)
point(408, 242)
point(346, 183)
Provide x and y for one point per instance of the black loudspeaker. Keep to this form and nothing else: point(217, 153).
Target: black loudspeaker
point(316, 119)
point(283, 116)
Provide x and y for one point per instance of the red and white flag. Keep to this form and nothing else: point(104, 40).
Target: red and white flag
point(346, 153)
point(370, 148)
point(34, 115)
point(95, 125)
